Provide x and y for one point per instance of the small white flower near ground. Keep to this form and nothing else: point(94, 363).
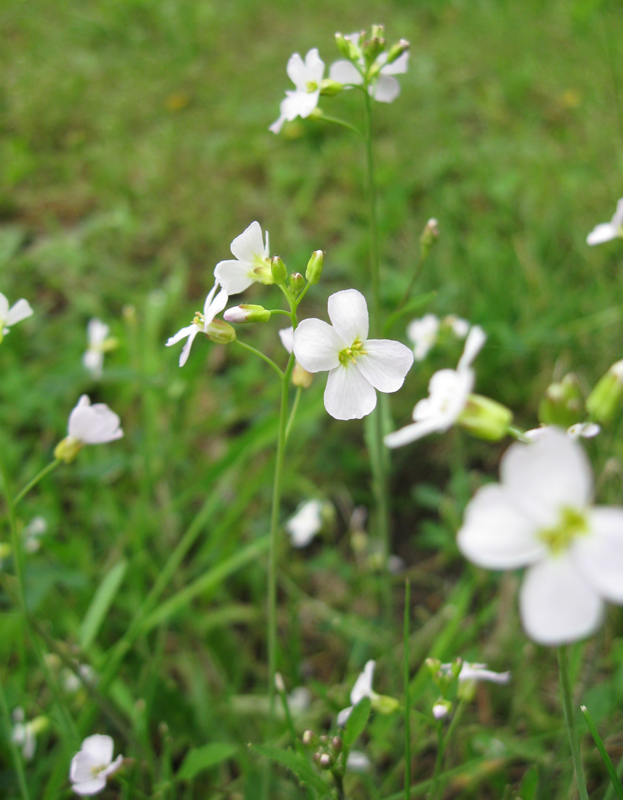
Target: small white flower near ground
point(306, 77)
point(423, 333)
point(32, 534)
point(357, 366)
point(212, 306)
point(357, 761)
point(88, 424)
point(91, 767)
point(385, 89)
point(540, 516)
point(250, 265)
point(305, 523)
point(10, 316)
point(607, 231)
point(98, 343)
point(24, 734)
point(361, 689)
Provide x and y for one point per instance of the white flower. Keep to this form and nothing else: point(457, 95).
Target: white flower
point(11, 316)
point(250, 265)
point(385, 88)
point(97, 336)
point(307, 77)
point(357, 761)
point(440, 709)
point(71, 681)
point(299, 700)
point(356, 365)
point(32, 534)
point(93, 765)
point(361, 689)
point(608, 230)
point(448, 392)
point(460, 327)
point(423, 333)
point(212, 306)
point(24, 734)
point(305, 523)
point(93, 424)
point(584, 430)
point(477, 672)
point(539, 516)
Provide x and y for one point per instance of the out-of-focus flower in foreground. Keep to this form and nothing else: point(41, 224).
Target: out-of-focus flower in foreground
point(202, 322)
point(250, 265)
point(307, 78)
point(91, 767)
point(24, 734)
point(540, 516)
point(357, 366)
point(98, 343)
point(607, 231)
point(88, 424)
point(10, 316)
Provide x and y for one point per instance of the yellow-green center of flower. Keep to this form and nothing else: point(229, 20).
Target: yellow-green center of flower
point(571, 524)
point(350, 354)
point(261, 271)
point(311, 86)
point(199, 320)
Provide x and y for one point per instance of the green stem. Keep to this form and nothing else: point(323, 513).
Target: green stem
point(437, 782)
point(373, 222)
point(50, 467)
point(295, 405)
point(17, 759)
point(341, 123)
point(614, 777)
point(405, 640)
point(261, 355)
point(567, 702)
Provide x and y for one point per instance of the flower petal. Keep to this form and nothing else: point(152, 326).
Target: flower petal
point(234, 276)
point(385, 364)
point(415, 431)
point(314, 67)
point(91, 786)
point(556, 604)
point(4, 308)
point(363, 684)
point(473, 344)
point(599, 555)
point(345, 72)
point(18, 312)
point(189, 343)
point(602, 233)
point(287, 338)
point(277, 125)
point(385, 90)
point(546, 475)
point(348, 312)
point(316, 345)
point(397, 67)
point(97, 331)
point(348, 394)
point(617, 219)
point(496, 534)
point(181, 334)
point(296, 70)
point(249, 244)
point(342, 717)
point(99, 747)
point(214, 305)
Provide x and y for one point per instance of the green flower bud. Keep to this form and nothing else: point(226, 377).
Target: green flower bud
point(396, 50)
point(221, 332)
point(384, 704)
point(278, 270)
point(347, 48)
point(373, 47)
point(562, 403)
point(429, 237)
point(336, 744)
point(297, 282)
point(309, 738)
point(329, 88)
point(314, 266)
point(434, 665)
point(485, 418)
point(605, 399)
point(68, 449)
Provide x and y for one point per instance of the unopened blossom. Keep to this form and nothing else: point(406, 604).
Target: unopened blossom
point(88, 424)
point(608, 230)
point(305, 523)
point(250, 265)
point(201, 323)
point(384, 88)
point(357, 365)
point(306, 77)
point(448, 390)
point(93, 765)
point(98, 343)
point(10, 316)
point(361, 689)
point(540, 516)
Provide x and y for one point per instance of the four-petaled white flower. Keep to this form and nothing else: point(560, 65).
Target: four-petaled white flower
point(361, 689)
point(97, 345)
point(93, 424)
point(385, 88)
point(93, 765)
point(448, 390)
point(357, 365)
point(305, 523)
point(213, 306)
point(11, 316)
point(539, 516)
point(251, 264)
point(307, 77)
point(608, 230)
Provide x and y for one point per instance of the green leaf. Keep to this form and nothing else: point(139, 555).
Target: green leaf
point(356, 722)
point(298, 765)
point(529, 784)
point(201, 758)
point(100, 604)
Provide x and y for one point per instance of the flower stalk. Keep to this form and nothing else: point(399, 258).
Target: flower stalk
point(569, 711)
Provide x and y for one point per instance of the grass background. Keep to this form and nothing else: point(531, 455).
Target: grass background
point(133, 148)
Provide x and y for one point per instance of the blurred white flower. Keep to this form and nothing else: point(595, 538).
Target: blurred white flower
point(583, 430)
point(24, 734)
point(361, 689)
point(32, 534)
point(539, 516)
point(441, 709)
point(385, 88)
point(98, 343)
point(305, 523)
point(251, 263)
point(307, 77)
point(460, 327)
point(423, 333)
point(448, 392)
point(608, 230)
point(11, 316)
point(88, 424)
point(477, 672)
point(357, 761)
point(212, 306)
point(91, 767)
point(299, 700)
point(357, 365)
point(71, 681)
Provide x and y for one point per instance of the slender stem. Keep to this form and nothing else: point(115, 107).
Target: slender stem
point(437, 782)
point(373, 222)
point(339, 784)
point(17, 759)
point(261, 355)
point(20, 495)
point(567, 702)
point(295, 405)
point(612, 773)
point(336, 121)
point(405, 640)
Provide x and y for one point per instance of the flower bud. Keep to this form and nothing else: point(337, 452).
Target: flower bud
point(373, 47)
point(485, 418)
point(221, 332)
point(68, 449)
point(314, 266)
point(278, 270)
point(279, 684)
point(384, 704)
point(441, 708)
point(336, 744)
point(347, 48)
point(396, 50)
point(605, 399)
point(434, 665)
point(309, 738)
point(562, 403)
point(301, 377)
point(329, 88)
point(429, 237)
point(246, 313)
point(324, 762)
point(297, 282)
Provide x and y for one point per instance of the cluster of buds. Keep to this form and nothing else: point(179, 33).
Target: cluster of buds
point(327, 749)
point(368, 47)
